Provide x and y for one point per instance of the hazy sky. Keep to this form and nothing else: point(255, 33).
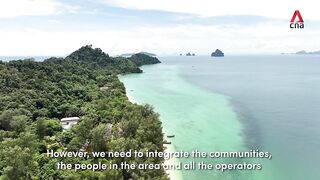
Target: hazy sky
point(165, 27)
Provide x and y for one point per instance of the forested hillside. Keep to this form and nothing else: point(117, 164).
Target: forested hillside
point(34, 96)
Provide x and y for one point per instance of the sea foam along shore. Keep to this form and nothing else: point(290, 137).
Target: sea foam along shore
point(173, 174)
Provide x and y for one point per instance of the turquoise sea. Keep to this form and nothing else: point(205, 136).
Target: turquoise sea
point(238, 103)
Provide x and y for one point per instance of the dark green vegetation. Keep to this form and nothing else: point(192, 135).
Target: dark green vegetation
point(34, 96)
point(142, 59)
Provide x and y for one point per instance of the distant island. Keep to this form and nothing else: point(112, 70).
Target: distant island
point(303, 52)
point(189, 54)
point(145, 53)
point(217, 53)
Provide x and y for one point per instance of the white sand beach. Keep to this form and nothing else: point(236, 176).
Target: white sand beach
point(173, 174)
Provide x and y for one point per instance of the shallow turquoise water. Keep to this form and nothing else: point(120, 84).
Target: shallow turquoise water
point(238, 103)
point(199, 119)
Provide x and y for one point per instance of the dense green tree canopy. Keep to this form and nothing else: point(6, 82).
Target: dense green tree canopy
point(34, 96)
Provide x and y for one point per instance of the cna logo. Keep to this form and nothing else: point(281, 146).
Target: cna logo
point(294, 23)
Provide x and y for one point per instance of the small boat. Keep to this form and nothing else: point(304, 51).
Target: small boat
point(166, 142)
point(170, 136)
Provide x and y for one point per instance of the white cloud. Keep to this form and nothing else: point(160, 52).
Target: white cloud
point(16, 8)
point(31, 41)
point(271, 37)
point(279, 9)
